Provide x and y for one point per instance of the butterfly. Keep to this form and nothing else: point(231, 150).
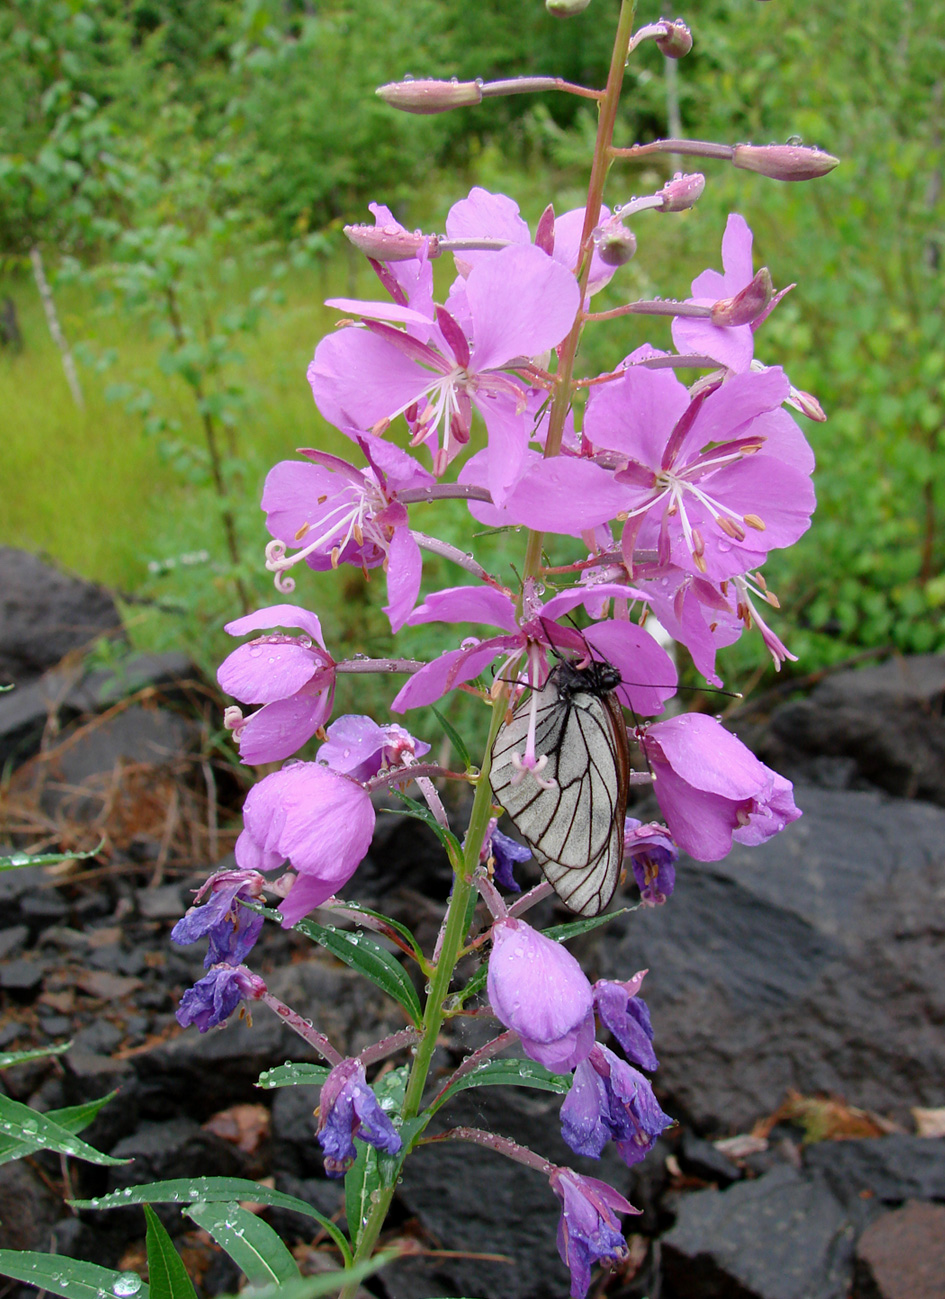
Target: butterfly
point(574, 828)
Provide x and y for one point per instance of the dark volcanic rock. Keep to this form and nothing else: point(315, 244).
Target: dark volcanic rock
point(889, 1169)
point(45, 614)
point(780, 1237)
point(815, 962)
point(888, 721)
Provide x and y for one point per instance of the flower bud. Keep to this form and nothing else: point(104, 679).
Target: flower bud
point(748, 304)
point(784, 161)
point(682, 192)
point(566, 8)
point(676, 42)
point(429, 96)
point(389, 243)
point(617, 244)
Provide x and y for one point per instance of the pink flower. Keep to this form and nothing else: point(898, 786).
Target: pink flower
point(649, 676)
point(537, 989)
point(358, 747)
point(318, 820)
point(520, 304)
point(338, 514)
point(712, 483)
point(732, 346)
point(712, 789)
point(293, 677)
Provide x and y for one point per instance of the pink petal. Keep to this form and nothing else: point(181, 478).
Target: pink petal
point(277, 615)
point(279, 729)
point(566, 495)
point(467, 604)
point(522, 304)
point(262, 672)
point(404, 570)
point(636, 414)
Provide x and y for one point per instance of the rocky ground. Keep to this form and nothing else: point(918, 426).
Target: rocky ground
point(797, 990)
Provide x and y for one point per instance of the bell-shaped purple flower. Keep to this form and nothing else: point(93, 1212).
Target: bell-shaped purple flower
point(610, 1100)
point(588, 1229)
point(537, 989)
point(653, 856)
point(231, 929)
point(505, 854)
point(627, 1016)
point(712, 789)
point(214, 997)
point(322, 822)
point(348, 1108)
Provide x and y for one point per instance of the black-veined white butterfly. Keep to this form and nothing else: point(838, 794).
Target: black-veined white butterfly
point(574, 828)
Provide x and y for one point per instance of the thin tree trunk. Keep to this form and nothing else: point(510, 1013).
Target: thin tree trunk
point(52, 320)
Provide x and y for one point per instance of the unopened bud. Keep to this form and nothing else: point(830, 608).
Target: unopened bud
point(616, 244)
point(430, 96)
point(784, 161)
point(676, 42)
point(390, 243)
point(682, 192)
point(803, 401)
point(747, 305)
point(566, 8)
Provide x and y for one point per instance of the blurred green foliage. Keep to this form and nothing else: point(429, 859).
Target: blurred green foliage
point(191, 165)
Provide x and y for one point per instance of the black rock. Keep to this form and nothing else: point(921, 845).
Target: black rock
point(889, 721)
point(889, 1169)
point(176, 1148)
point(700, 1158)
point(45, 614)
point(811, 962)
point(780, 1237)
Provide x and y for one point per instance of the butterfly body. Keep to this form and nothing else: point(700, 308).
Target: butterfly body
point(573, 818)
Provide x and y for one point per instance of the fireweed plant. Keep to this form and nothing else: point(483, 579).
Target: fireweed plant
point(674, 494)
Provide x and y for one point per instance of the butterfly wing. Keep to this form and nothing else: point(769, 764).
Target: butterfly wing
point(575, 828)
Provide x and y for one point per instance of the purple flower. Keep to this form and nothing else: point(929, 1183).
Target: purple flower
point(337, 514)
point(712, 789)
point(520, 303)
point(627, 1016)
point(505, 853)
point(653, 856)
point(358, 747)
point(348, 1108)
point(214, 997)
point(322, 822)
point(588, 1229)
point(537, 989)
point(610, 1100)
point(232, 929)
point(293, 677)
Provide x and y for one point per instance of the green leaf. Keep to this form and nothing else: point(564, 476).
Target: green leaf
point(508, 1073)
point(212, 1190)
point(454, 737)
point(18, 1057)
point(574, 927)
point(20, 859)
point(166, 1272)
point(422, 813)
point(366, 956)
point(70, 1277)
point(402, 930)
point(365, 1177)
point(40, 1132)
point(290, 1075)
point(471, 989)
point(251, 1243)
point(325, 1283)
point(72, 1118)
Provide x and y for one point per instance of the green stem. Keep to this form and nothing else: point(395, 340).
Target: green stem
point(595, 192)
point(453, 937)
